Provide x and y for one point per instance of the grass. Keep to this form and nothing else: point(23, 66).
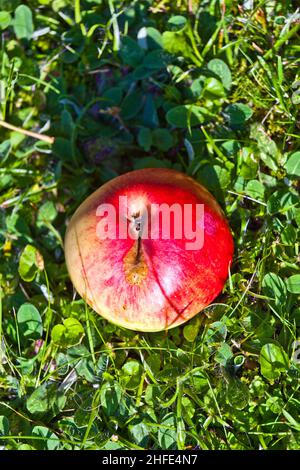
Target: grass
point(210, 88)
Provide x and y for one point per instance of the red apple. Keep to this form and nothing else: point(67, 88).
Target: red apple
point(151, 276)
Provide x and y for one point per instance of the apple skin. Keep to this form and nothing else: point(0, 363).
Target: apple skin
point(169, 284)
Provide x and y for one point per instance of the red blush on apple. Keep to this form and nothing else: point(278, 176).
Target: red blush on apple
point(149, 249)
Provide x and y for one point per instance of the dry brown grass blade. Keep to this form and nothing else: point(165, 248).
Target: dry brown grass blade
point(35, 135)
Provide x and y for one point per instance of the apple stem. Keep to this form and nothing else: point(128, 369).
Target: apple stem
point(138, 251)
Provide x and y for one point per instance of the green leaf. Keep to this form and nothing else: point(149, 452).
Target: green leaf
point(111, 395)
point(224, 354)
point(167, 433)
point(219, 68)
point(157, 59)
point(26, 366)
point(248, 164)
point(67, 123)
point(47, 213)
point(275, 404)
point(177, 22)
point(57, 334)
point(297, 216)
point(292, 165)
point(23, 24)
point(47, 398)
point(81, 417)
point(5, 148)
point(62, 149)
point(153, 363)
point(139, 432)
point(196, 88)
point(295, 98)
point(237, 114)
point(293, 284)
point(162, 139)
point(5, 19)
point(293, 423)
point(113, 96)
point(273, 360)
point(151, 162)
point(185, 115)
point(67, 334)
point(142, 72)
point(151, 394)
point(190, 332)
point(102, 364)
point(131, 53)
point(214, 177)
point(281, 201)
point(268, 151)
point(216, 333)
point(30, 322)
point(4, 426)
point(30, 263)
point(81, 358)
point(237, 393)
point(154, 38)
point(231, 147)
point(181, 43)
point(74, 330)
point(188, 407)
point(289, 235)
point(145, 138)
point(150, 116)
point(48, 441)
point(274, 287)
point(131, 374)
point(214, 87)
point(131, 105)
point(25, 447)
point(255, 189)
